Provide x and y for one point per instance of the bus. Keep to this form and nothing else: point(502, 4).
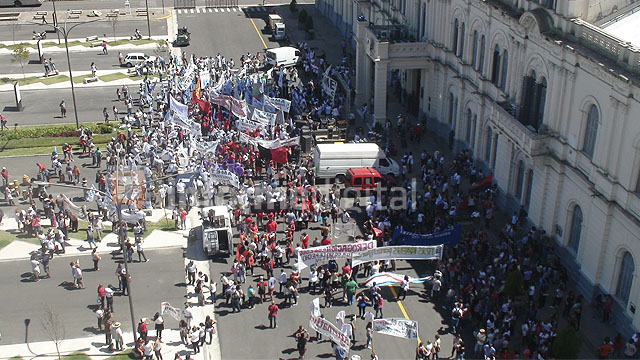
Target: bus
point(18, 3)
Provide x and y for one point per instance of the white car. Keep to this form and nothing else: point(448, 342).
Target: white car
point(133, 59)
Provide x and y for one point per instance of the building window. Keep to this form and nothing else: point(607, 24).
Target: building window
point(473, 131)
point(487, 147)
point(505, 70)
point(520, 179)
point(461, 51)
point(576, 229)
point(424, 24)
point(451, 109)
point(529, 186)
point(534, 96)
point(494, 152)
point(591, 131)
point(469, 125)
point(481, 60)
point(456, 27)
point(625, 277)
point(474, 55)
point(495, 67)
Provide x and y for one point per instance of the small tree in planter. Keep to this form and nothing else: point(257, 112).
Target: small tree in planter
point(292, 6)
point(302, 16)
point(308, 25)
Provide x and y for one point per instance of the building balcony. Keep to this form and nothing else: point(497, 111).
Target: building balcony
point(393, 43)
point(531, 142)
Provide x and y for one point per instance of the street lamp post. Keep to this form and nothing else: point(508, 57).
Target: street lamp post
point(55, 19)
point(65, 34)
point(146, 2)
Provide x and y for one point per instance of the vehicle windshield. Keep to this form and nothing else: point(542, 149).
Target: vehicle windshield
point(212, 236)
point(214, 222)
point(271, 55)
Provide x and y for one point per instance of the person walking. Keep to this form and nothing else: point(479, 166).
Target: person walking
point(195, 339)
point(377, 305)
point(159, 325)
point(124, 277)
point(104, 47)
point(140, 251)
point(302, 337)
point(91, 238)
point(101, 295)
point(273, 313)
point(77, 275)
point(108, 295)
point(94, 69)
point(404, 287)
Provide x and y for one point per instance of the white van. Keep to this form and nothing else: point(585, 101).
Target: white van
point(283, 56)
point(334, 160)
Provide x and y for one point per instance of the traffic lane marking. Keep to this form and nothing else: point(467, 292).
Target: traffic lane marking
point(258, 32)
point(404, 312)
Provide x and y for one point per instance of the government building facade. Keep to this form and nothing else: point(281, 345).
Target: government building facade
point(544, 93)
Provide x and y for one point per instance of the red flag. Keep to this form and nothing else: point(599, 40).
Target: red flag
point(203, 105)
point(279, 155)
point(196, 92)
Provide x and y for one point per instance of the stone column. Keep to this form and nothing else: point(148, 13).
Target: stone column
point(380, 91)
point(363, 67)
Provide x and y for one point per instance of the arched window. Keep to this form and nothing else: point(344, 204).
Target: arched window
point(487, 145)
point(472, 145)
point(481, 60)
point(520, 179)
point(495, 67)
point(591, 131)
point(494, 152)
point(451, 108)
point(474, 55)
point(456, 27)
point(461, 51)
point(541, 98)
point(527, 195)
point(469, 126)
point(505, 69)
point(534, 96)
point(576, 229)
point(625, 277)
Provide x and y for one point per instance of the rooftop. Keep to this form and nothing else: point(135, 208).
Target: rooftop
point(625, 27)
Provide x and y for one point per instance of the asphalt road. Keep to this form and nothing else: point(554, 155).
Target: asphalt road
point(80, 60)
point(231, 34)
point(41, 106)
point(161, 279)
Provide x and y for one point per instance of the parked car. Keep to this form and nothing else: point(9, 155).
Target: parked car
point(133, 59)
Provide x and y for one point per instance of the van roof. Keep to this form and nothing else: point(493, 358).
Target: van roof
point(282, 50)
point(136, 54)
point(364, 172)
point(348, 148)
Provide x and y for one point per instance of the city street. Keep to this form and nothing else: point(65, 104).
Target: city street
point(160, 279)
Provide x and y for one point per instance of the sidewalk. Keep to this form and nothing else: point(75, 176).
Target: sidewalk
point(158, 239)
point(60, 47)
point(122, 77)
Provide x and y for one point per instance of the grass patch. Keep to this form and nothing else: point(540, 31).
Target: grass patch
point(6, 237)
point(78, 79)
point(114, 76)
point(76, 356)
point(35, 79)
point(121, 356)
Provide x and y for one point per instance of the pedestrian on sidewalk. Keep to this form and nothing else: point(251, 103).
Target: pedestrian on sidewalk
point(105, 113)
point(118, 336)
point(91, 239)
point(52, 67)
point(46, 67)
point(195, 339)
point(3, 123)
point(94, 69)
point(209, 328)
point(158, 324)
point(142, 329)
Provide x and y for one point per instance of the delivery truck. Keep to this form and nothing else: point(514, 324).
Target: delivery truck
point(278, 29)
point(333, 161)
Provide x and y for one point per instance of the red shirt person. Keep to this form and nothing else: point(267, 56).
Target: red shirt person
point(273, 313)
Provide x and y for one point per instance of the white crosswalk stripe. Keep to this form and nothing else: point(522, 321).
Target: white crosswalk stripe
point(198, 10)
point(216, 10)
point(192, 11)
point(210, 10)
point(179, 11)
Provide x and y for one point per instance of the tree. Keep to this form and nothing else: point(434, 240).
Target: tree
point(514, 283)
point(20, 55)
point(302, 16)
point(114, 21)
point(567, 344)
point(53, 327)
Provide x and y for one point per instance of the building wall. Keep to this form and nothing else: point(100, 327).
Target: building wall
point(563, 174)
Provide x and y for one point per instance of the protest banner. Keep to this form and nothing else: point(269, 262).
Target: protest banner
point(279, 103)
point(325, 327)
point(387, 278)
point(343, 230)
point(187, 79)
point(399, 253)
point(205, 78)
point(225, 177)
point(403, 328)
point(314, 306)
point(448, 236)
point(78, 211)
point(205, 147)
point(246, 125)
point(179, 109)
point(263, 117)
point(167, 309)
point(313, 255)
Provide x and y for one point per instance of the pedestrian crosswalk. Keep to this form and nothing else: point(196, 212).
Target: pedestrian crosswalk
point(209, 10)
